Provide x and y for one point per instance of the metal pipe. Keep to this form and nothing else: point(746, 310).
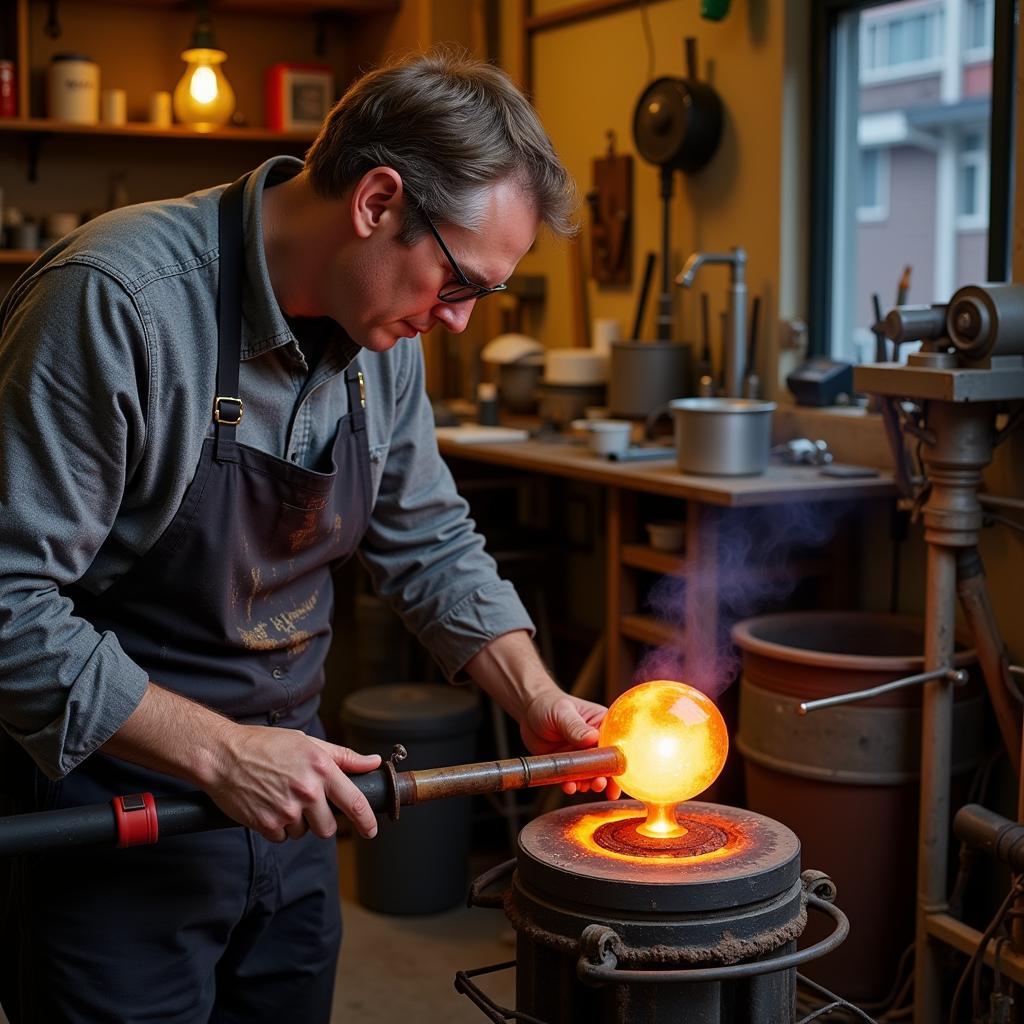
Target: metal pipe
point(953, 675)
point(992, 834)
point(936, 757)
point(734, 353)
point(976, 603)
point(385, 789)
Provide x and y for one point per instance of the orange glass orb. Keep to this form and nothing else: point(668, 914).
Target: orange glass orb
point(673, 738)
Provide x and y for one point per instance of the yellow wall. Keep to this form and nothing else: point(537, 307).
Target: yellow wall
point(587, 78)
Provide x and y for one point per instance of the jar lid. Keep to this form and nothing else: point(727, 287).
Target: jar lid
point(70, 56)
point(412, 710)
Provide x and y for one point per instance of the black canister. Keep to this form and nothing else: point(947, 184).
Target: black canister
point(419, 864)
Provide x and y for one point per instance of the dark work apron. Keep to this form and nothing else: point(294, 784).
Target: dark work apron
point(232, 608)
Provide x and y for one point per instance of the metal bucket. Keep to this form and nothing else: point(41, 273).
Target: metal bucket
point(845, 778)
point(722, 436)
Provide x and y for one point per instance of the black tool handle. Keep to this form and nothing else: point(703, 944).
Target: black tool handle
point(96, 824)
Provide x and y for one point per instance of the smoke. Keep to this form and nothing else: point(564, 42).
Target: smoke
point(758, 566)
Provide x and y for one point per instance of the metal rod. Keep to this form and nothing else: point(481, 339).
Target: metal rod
point(952, 675)
point(384, 789)
point(936, 757)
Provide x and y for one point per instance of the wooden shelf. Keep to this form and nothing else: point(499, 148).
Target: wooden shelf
point(649, 630)
point(44, 126)
point(18, 257)
point(279, 6)
point(643, 556)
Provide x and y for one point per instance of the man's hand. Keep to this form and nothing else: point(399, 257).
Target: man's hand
point(278, 782)
point(282, 783)
point(550, 720)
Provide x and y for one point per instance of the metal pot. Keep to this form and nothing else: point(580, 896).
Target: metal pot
point(647, 374)
point(722, 436)
point(517, 383)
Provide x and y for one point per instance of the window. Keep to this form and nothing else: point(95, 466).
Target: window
point(972, 183)
point(912, 156)
point(978, 28)
point(900, 40)
point(873, 185)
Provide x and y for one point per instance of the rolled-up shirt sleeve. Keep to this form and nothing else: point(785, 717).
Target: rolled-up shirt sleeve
point(73, 383)
point(422, 549)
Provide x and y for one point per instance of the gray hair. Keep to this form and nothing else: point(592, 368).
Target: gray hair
point(452, 126)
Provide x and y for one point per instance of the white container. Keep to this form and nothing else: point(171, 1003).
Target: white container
point(74, 89)
point(575, 366)
point(114, 106)
point(666, 534)
point(606, 436)
point(160, 109)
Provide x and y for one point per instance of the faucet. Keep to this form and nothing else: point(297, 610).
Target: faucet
point(734, 348)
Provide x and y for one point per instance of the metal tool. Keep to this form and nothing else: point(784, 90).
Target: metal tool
point(140, 819)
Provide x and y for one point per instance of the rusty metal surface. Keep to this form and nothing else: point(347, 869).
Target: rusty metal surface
point(760, 859)
point(512, 773)
point(623, 837)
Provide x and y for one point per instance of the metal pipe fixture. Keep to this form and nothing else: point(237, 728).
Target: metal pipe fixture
point(952, 675)
point(734, 355)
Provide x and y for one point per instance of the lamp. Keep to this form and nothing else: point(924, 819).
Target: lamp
point(203, 97)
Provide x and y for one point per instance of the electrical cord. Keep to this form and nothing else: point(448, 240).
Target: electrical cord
point(977, 958)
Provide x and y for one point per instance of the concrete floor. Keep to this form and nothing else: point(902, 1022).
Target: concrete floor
point(396, 968)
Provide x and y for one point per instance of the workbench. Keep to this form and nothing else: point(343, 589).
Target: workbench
point(702, 502)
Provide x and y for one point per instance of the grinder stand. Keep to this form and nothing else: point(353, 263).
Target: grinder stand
point(949, 405)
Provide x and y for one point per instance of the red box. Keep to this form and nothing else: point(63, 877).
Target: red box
point(297, 96)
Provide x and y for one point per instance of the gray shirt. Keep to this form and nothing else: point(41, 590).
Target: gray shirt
point(108, 361)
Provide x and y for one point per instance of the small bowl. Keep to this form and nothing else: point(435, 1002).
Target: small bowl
point(666, 534)
point(607, 436)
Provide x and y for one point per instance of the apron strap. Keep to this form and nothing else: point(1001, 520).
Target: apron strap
point(227, 403)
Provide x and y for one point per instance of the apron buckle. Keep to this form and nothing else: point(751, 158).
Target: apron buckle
point(227, 411)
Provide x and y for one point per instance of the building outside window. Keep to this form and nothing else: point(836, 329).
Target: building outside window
point(908, 164)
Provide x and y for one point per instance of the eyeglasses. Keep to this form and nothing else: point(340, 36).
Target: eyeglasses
point(465, 289)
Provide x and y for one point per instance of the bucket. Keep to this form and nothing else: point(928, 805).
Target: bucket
point(845, 779)
point(418, 864)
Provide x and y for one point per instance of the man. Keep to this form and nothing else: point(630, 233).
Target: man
point(205, 404)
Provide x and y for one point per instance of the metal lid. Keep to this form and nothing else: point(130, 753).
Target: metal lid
point(412, 710)
point(760, 861)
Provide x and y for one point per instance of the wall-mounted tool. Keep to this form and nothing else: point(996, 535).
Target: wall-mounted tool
point(677, 125)
point(611, 217)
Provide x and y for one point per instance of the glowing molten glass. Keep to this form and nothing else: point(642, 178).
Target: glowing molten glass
point(675, 743)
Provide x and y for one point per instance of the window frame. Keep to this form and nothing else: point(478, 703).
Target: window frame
point(825, 16)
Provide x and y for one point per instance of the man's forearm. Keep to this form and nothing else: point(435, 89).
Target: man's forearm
point(510, 670)
point(172, 734)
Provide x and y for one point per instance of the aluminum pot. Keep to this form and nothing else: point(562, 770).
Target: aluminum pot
point(722, 436)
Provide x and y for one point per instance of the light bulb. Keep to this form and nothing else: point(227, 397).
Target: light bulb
point(203, 97)
point(675, 743)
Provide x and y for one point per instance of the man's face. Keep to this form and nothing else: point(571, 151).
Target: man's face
point(393, 292)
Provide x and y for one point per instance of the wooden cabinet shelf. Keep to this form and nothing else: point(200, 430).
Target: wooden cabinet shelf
point(649, 630)
point(18, 257)
point(44, 126)
point(643, 556)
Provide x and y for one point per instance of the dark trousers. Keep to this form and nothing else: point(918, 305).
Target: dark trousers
point(221, 927)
